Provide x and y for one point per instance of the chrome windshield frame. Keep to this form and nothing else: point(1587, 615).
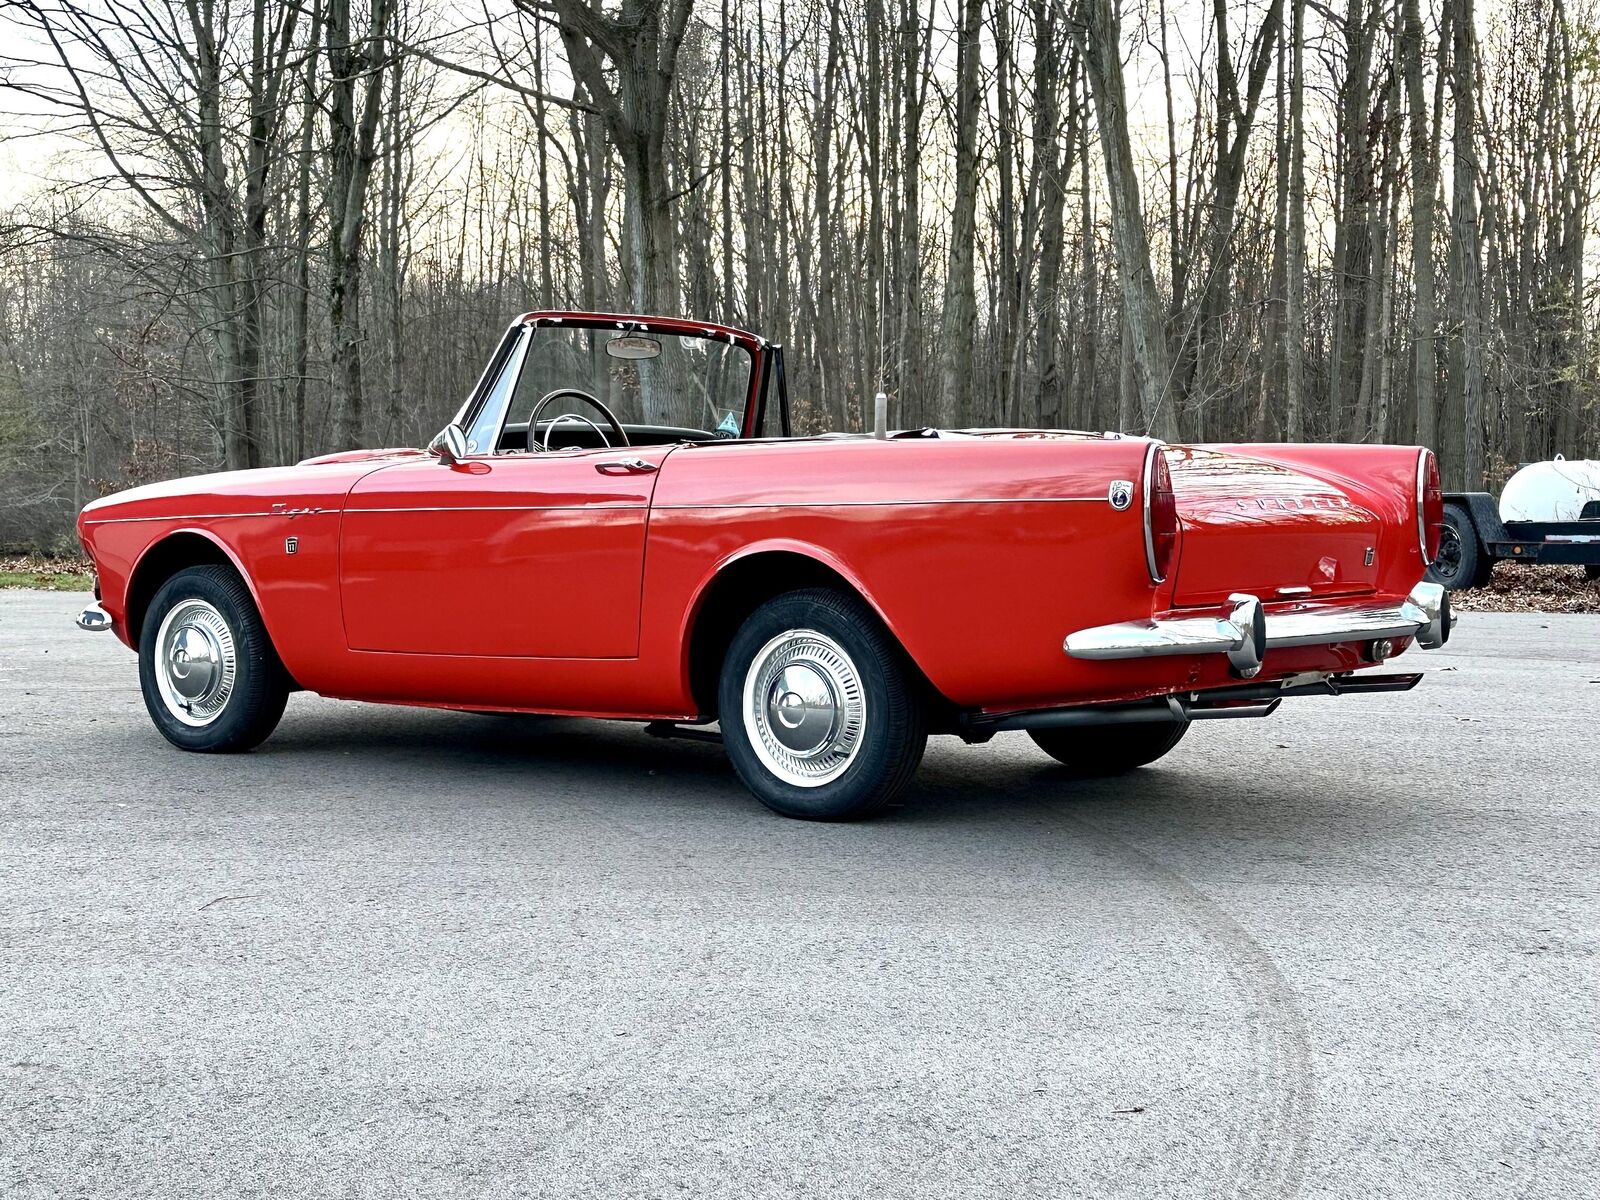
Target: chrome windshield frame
point(496, 398)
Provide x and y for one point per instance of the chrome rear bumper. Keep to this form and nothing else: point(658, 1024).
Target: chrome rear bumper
point(1423, 615)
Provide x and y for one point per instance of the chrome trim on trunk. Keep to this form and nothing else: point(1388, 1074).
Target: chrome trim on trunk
point(1424, 615)
point(1149, 533)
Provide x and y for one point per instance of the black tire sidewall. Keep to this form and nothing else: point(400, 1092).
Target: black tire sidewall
point(1466, 574)
point(260, 688)
point(1091, 750)
point(895, 733)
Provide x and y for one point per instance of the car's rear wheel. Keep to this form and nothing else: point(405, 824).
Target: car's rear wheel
point(211, 679)
point(1091, 750)
point(820, 710)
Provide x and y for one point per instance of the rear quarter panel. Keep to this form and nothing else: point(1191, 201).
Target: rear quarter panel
point(979, 554)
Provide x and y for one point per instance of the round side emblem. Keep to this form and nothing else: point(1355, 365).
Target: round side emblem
point(1120, 494)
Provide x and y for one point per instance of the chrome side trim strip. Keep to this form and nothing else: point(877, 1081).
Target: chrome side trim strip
point(455, 508)
point(472, 508)
point(896, 503)
point(201, 517)
point(674, 507)
point(1424, 615)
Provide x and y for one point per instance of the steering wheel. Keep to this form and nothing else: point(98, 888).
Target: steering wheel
point(591, 401)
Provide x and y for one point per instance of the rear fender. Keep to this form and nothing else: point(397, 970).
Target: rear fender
point(824, 558)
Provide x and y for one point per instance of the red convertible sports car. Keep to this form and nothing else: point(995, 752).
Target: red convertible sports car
point(618, 523)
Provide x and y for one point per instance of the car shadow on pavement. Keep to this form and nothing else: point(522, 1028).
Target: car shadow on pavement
point(428, 741)
point(976, 789)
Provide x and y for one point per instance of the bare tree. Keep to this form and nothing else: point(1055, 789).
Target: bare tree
point(1424, 175)
point(1295, 236)
point(356, 70)
point(1461, 456)
point(285, 226)
point(960, 296)
point(640, 46)
point(1097, 31)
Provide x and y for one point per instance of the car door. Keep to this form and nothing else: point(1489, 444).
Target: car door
point(523, 555)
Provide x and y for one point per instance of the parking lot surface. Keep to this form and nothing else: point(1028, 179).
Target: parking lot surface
point(1349, 950)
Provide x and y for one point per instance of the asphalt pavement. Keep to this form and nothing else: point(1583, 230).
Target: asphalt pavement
point(1349, 950)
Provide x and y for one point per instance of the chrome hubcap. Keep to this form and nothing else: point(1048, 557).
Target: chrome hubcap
point(804, 707)
point(195, 662)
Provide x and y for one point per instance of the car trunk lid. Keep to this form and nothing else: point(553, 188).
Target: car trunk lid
point(1251, 525)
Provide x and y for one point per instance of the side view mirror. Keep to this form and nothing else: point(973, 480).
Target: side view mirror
point(450, 446)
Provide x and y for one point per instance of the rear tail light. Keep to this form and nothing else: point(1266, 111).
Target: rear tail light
point(1430, 505)
point(1160, 514)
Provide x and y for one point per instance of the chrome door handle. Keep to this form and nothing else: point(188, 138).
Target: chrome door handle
point(626, 466)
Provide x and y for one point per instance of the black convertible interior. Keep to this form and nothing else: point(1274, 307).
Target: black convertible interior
point(570, 435)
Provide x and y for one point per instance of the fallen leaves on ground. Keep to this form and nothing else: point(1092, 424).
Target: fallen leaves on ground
point(1527, 587)
point(53, 574)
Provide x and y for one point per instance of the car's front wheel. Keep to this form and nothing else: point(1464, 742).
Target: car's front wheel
point(211, 679)
point(820, 711)
point(1090, 750)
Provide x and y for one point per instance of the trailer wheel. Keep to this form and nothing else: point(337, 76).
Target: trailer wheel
point(1456, 565)
point(1591, 571)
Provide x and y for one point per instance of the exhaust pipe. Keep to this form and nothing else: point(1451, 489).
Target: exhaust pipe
point(1165, 711)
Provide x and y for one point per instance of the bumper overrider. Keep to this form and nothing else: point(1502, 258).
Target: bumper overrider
point(95, 619)
point(1247, 631)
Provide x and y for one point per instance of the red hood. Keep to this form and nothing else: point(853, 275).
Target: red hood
point(319, 483)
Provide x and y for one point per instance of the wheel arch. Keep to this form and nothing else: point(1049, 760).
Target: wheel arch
point(744, 581)
point(164, 558)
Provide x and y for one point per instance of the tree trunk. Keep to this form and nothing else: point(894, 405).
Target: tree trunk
point(641, 44)
point(916, 47)
point(1424, 167)
point(1098, 33)
point(353, 136)
point(960, 290)
point(231, 335)
point(1466, 469)
point(1052, 166)
point(1295, 242)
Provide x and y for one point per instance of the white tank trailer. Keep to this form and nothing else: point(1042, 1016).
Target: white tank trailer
point(1549, 512)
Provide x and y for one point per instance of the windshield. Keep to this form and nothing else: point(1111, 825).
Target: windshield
point(691, 383)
